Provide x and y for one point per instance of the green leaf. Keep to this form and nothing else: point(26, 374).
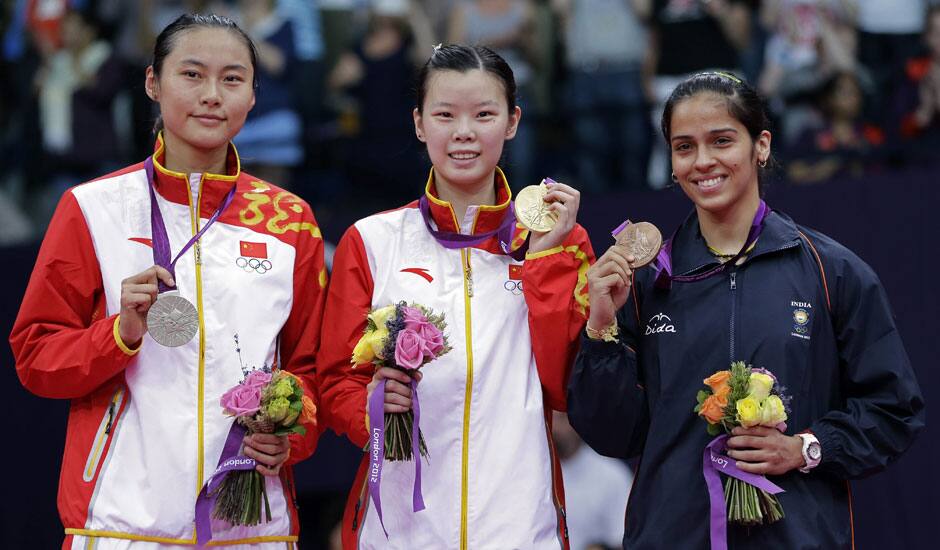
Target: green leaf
point(714, 429)
point(701, 396)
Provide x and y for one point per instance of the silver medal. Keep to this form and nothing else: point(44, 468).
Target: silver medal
point(173, 320)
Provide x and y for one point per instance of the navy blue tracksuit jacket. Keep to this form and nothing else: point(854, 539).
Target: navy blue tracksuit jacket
point(829, 338)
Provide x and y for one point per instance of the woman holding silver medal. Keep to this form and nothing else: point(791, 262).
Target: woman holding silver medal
point(141, 312)
point(739, 281)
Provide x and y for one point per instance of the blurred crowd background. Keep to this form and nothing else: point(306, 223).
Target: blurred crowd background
point(854, 86)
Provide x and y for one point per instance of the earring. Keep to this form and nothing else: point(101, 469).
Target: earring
point(763, 163)
point(674, 178)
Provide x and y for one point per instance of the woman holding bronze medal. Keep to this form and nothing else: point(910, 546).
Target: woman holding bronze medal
point(156, 289)
point(513, 317)
point(739, 281)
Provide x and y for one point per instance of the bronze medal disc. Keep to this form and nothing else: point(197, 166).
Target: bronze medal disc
point(642, 240)
point(532, 210)
point(172, 320)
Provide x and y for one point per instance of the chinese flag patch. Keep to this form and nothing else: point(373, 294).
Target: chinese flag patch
point(515, 272)
point(253, 250)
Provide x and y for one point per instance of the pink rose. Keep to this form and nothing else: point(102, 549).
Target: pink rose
point(257, 379)
point(242, 400)
point(409, 349)
point(412, 315)
point(433, 340)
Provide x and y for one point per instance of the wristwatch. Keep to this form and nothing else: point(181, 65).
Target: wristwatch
point(812, 452)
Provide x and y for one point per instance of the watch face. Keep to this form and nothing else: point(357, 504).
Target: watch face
point(814, 451)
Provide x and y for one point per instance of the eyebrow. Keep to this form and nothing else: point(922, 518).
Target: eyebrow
point(712, 132)
point(229, 67)
point(486, 103)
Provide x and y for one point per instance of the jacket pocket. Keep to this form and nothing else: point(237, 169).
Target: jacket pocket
point(106, 431)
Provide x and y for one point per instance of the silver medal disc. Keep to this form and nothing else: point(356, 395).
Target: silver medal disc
point(172, 321)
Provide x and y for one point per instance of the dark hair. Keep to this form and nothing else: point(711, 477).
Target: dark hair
point(460, 58)
point(166, 40)
point(744, 103)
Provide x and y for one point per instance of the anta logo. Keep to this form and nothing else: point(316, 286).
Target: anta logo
point(659, 323)
point(253, 257)
point(802, 314)
point(142, 240)
point(420, 272)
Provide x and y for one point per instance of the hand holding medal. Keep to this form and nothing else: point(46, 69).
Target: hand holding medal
point(549, 211)
point(138, 293)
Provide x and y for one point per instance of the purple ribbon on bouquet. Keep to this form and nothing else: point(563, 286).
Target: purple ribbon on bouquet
point(449, 239)
point(377, 448)
point(715, 460)
point(663, 262)
point(229, 461)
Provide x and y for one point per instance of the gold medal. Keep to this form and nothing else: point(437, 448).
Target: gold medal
point(532, 210)
point(642, 240)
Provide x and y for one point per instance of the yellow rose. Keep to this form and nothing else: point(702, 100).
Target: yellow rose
point(759, 385)
point(748, 412)
point(376, 340)
point(381, 315)
point(362, 353)
point(772, 412)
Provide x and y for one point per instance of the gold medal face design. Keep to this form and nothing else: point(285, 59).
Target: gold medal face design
point(172, 321)
point(642, 240)
point(532, 210)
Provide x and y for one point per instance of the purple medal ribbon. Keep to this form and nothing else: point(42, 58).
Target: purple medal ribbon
point(663, 262)
point(377, 448)
point(715, 460)
point(449, 239)
point(229, 461)
point(161, 243)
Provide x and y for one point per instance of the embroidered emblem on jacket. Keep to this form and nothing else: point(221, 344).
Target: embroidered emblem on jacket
point(254, 257)
point(419, 271)
point(801, 318)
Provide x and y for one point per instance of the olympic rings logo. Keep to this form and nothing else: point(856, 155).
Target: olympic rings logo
point(253, 264)
point(513, 286)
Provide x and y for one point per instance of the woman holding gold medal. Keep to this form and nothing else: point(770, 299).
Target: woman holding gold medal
point(156, 288)
point(739, 281)
point(491, 479)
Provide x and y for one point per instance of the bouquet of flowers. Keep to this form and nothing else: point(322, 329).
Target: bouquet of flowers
point(748, 397)
point(265, 401)
point(404, 337)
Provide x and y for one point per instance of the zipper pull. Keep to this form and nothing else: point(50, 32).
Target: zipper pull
point(197, 251)
point(107, 429)
point(468, 273)
point(734, 283)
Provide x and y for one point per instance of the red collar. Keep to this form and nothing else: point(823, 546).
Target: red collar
point(488, 217)
point(174, 186)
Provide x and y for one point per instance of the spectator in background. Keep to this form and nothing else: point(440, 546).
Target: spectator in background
point(77, 86)
point(506, 27)
point(270, 143)
point(889, 36)
point(596, 490)
point(810, 42)
point(605, 47)
point(688, 36)
point(843, 145)
point(377, 74)
point(917, 105)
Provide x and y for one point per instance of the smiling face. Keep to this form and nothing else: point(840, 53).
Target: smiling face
point(204, 88)
point(713, 156)
point(465, 121)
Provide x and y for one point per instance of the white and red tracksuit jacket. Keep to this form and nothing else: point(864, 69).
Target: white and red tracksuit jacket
point(145, 427)
point(491, 479)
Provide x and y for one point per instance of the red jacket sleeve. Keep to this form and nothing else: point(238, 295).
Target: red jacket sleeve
point(554, 283)
point(343, 389)
point(300, 336)
point(63, 346)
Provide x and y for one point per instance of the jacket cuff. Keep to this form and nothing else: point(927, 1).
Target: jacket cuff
point(542, 254)
point(594, 347)
point(828, 441)
point(120, 343)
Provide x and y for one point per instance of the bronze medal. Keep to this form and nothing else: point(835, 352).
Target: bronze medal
point(642, 240)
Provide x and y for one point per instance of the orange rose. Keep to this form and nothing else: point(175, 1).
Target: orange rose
point(713, 408)
point(309, 413)
point(718, 380)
